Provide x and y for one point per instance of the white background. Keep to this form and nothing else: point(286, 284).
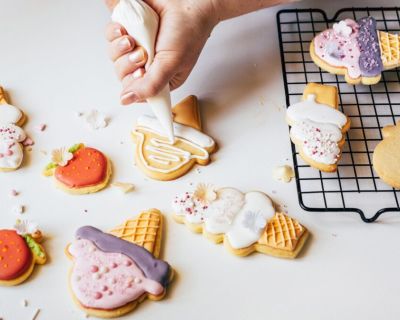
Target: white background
point(53, 61)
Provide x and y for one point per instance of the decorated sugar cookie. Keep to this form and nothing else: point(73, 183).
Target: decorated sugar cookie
point(318, 127)
point(356, 50)
point(386, 159)
point(161, 160)
point(244, 222)
point(113, 272)
point(79, 169)
point(11, 134)
point(20, 251)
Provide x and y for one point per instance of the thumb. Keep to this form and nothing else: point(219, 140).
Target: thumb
point(157, 76)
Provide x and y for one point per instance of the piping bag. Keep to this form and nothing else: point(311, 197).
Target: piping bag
point(141, 22)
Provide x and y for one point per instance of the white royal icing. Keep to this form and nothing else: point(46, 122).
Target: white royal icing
point(165, 153)
point(11, 152)
point(241, 217)
point(9, 114)
point(318, 128)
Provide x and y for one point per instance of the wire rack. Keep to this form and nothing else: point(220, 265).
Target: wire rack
point(355, 187)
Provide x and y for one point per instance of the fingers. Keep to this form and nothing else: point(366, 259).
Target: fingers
point(152, 82)
point(130, 62)
point(121, 46)
point(114, 31)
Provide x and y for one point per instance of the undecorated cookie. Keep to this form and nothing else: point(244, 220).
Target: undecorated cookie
point(244, 222)
point(113, 272)
point(386, 159)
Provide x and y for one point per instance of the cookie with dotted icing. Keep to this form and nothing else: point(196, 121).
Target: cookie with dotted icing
point(318, 127)
point(244, 222)
point(357, 50)
point(11, 134)
point(19, 253)
point(113, 272)
point(79, 169)
point(386, 158)
point(160, 159)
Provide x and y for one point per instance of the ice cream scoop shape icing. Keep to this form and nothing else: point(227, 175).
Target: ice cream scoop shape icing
point(141, 22)
point(110, 272)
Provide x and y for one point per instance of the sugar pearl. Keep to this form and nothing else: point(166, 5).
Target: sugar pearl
point(94, 268)
point(127, 263)
point(96, 276)
point(104, 288)
point(98, 295)
point(114, 265)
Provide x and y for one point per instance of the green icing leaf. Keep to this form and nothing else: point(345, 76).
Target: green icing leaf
point(51, 165)
point(75, 147)
point(34, 246)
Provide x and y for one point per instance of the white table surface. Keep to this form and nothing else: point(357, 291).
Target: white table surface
point(53, 61)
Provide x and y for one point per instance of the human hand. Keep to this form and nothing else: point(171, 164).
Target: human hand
point(185, 26)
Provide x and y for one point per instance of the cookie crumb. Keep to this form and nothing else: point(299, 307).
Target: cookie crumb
point(95, 120)
point(85, 211)
point(123, 186)
point(283, 173)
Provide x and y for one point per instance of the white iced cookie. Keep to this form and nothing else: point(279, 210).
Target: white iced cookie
point(244, 222)
point(11, 135)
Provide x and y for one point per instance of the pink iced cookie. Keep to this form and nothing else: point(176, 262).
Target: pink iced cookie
point(104, 280)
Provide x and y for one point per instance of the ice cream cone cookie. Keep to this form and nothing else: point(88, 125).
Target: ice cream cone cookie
point(113, 273)
point(386, 158)
point(19, 253)
point(318, 127)
point(160, 159)
point(79, 169)
point(11, 134)
point(244, 222)
point(357, 50)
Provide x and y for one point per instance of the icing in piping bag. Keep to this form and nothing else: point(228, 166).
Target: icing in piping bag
point(141, 22)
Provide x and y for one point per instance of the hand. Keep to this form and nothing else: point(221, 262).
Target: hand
point(185, 26)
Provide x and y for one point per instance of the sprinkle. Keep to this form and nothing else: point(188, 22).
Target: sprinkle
point(36, 314)
point(123, 186)
point(41, 127)
point(28, 142)
point(14, 193)
point(19, 209)
point(24, 303)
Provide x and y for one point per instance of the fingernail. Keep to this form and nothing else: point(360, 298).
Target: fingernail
point(117, 32)
point(131, 96)
point(136, 56)
point(138, 73)
point(124, 43)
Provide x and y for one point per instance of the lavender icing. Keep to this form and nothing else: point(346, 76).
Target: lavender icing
point(153, 268)
point(370, 54)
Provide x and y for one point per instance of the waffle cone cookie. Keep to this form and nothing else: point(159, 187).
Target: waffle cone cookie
point(356, 50)
point(113, 272)
point(386, 158)
point(11, 134)
point(318, 127)
point(243, 222)
point(79, 169)
point(158, 158)
point(20, 251)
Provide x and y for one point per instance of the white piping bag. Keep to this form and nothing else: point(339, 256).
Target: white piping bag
point(141, 22)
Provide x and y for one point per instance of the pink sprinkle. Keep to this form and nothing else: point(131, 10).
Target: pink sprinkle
point(41, 127)
point(98, 295)
point(9, 152)
point(1, 155)
point(28, 142)
point(128, 263)
point(114, 265)
point(94, 268)
point(110, 293)
point(13, 192)
point(104, 288)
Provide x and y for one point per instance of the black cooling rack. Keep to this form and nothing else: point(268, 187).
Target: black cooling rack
point(355, 187)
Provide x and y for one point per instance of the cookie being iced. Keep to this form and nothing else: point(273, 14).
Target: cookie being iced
point(318, 127)
point(386, 159)
point(357, 50)
point(160, 159)
point(113, 273)
point(244, 222)
point(11, 135)
point(79, 169)
point(20, 251)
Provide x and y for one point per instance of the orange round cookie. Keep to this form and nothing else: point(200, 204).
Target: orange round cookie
point(15, 255)
point(87, 168)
